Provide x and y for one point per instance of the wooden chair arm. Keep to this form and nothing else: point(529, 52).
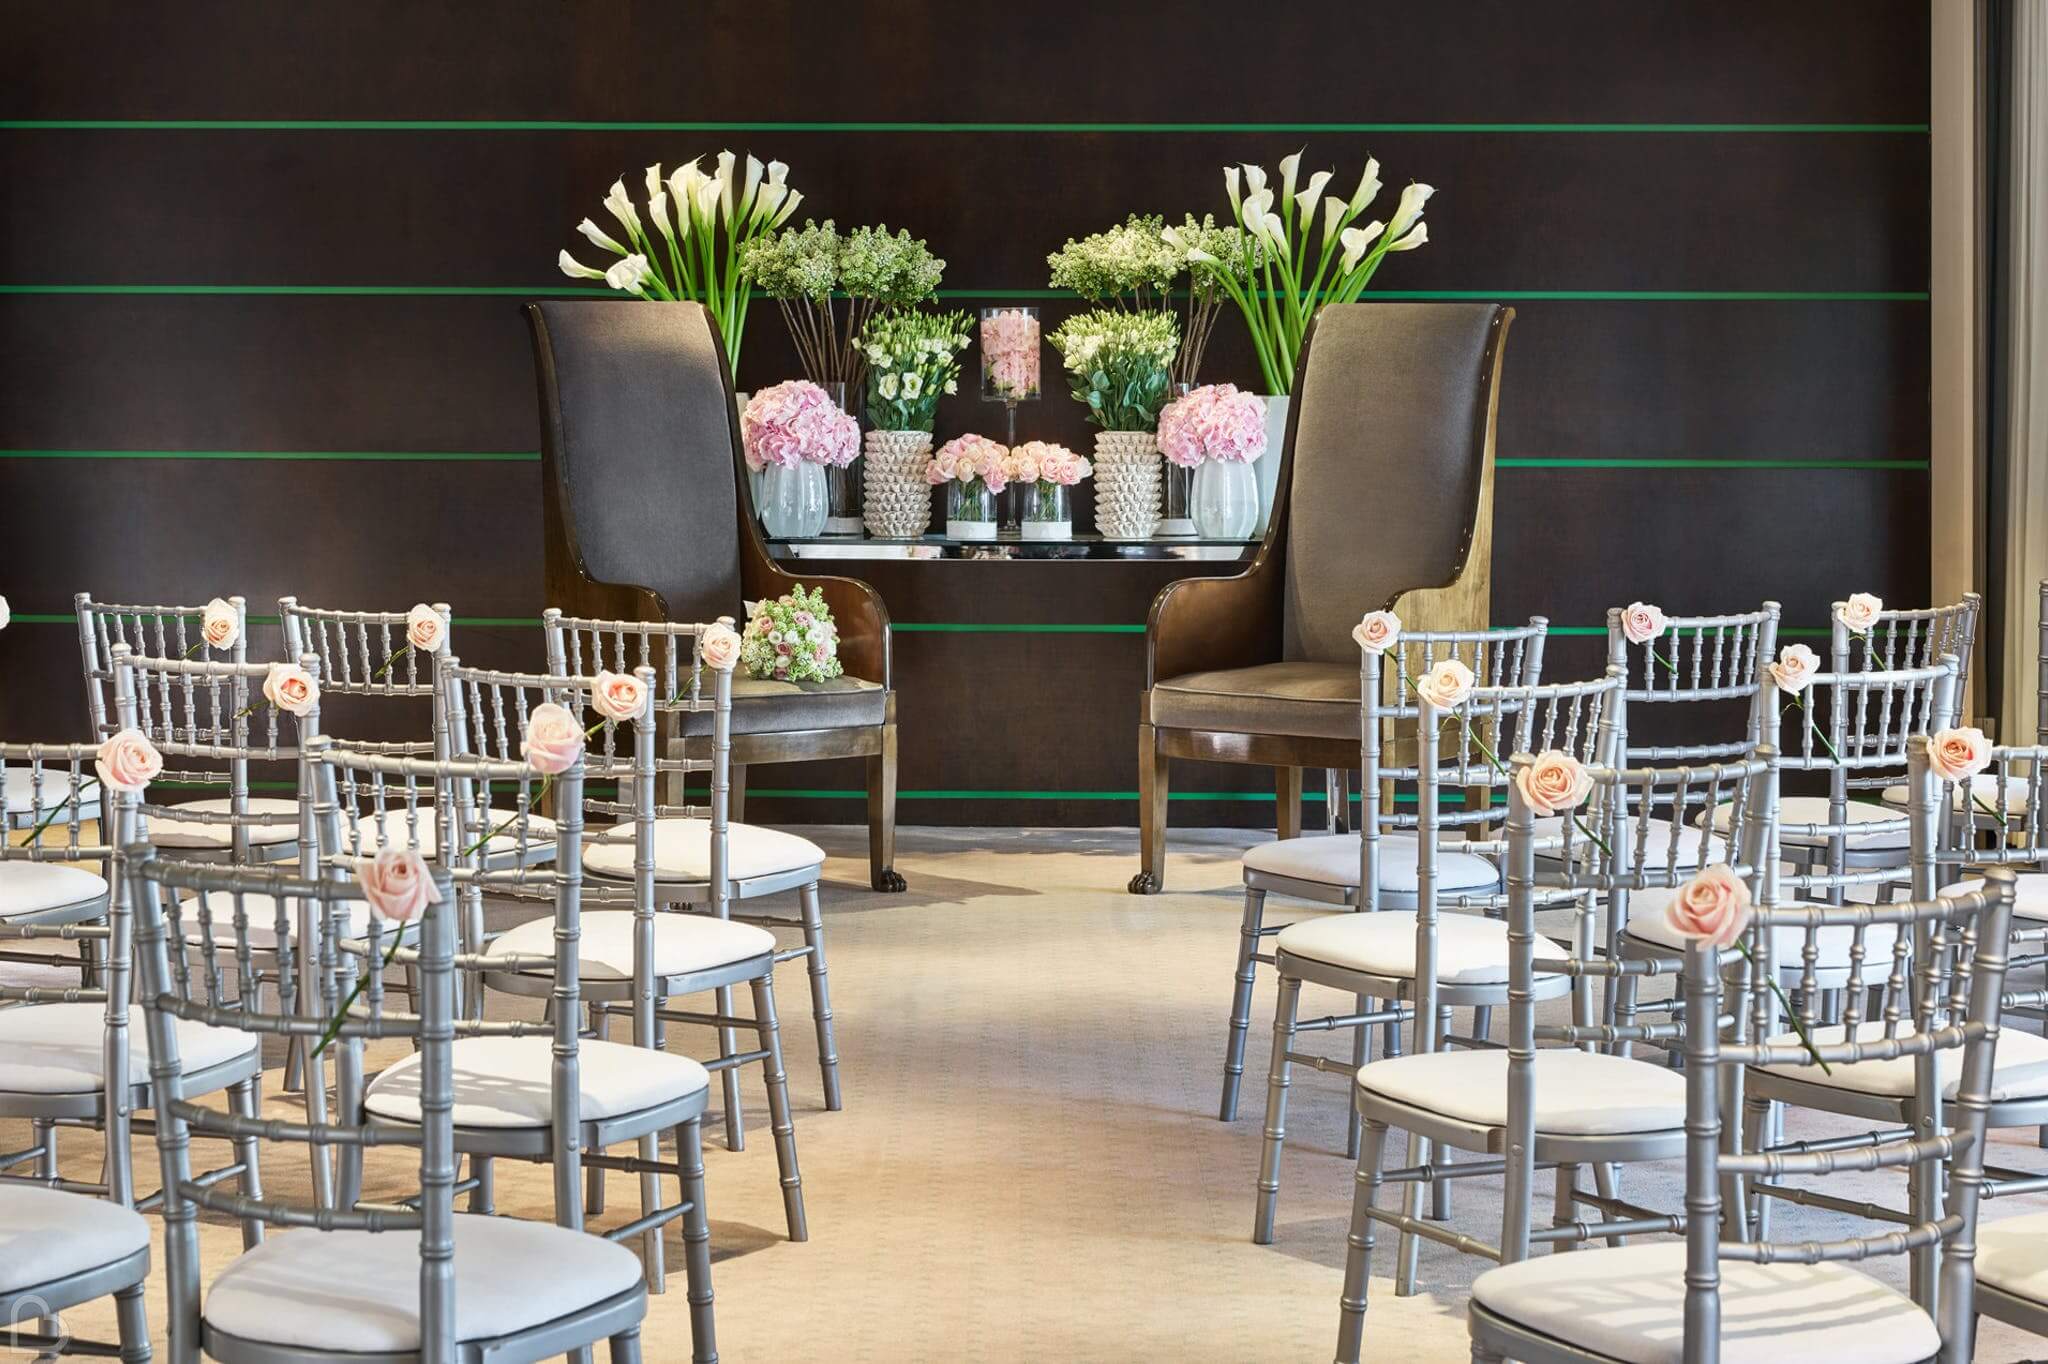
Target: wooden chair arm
point(1200, 624)
point(857, 608)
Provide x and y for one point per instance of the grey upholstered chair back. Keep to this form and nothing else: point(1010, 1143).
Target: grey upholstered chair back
point(1389, 441)
point(637, 431)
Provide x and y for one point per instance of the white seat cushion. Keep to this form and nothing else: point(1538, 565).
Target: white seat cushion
point(168, 831)
point(2019, 1069)
point(1656, 836)
point(682, 943)
point(262, 914)
point(1629, 1304)
point(1647, 923)
point(21, 793)
point(58, 1048)
point(1981, 794)
point(399, 832)
point(1796, 810)
point(1332, 860)
point(503, 1082)
point(2012, 1254)
point(682, 852)
point(39, 887)
point(359, 1291)
point(46, 1234)
point(2029, 894)
point(1578, 1093)
point(1471, 949)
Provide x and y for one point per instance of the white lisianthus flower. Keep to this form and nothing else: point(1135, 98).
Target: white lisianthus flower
point(913, 384)
point(576, 269)
point(952, 387)
point(886, 386)
point(597, 237)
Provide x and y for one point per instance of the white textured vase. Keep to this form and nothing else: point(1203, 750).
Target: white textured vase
point(1128, 490)
point(896, 501)
point(1267, 466)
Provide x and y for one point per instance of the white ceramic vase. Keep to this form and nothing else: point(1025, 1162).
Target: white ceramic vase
point(1267, 466)
point(1128, 490)
point(896, 501)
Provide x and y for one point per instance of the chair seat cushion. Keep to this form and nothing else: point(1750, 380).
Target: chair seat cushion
point(166, 830)
point(1980, 793)
point(540, 835)
point(682, 943)
point(2029, 895)
point(1580, 1094)
point(1312, 700)
point(2012, 1254)
point(1655, 849)
point(359, 1292)
point(261, 910)
point(765, 706)
point(22, 796)
point(46, 1234)
point(59, 1048)
point(1332, 860)
point(1628, 1304)
point(1796, 810)
point(504, 1082)
point(1471, 949)
point(682, 852)
point(39, 887)
point(2019, 1069)
point(1648, 923)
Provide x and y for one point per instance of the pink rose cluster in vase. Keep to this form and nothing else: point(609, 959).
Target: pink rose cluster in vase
point(796, 422)
point(1043, 473)
point(1215, 421)
point(1009, 353)
point(972, 469)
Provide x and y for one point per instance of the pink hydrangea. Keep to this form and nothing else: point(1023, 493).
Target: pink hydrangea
point(1048, 463)
point(797, 422)
point(1009, 352)
point(1215, 421)
point(967, 458)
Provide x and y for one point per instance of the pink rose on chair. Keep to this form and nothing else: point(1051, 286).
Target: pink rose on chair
point(1713, 907)
point(1795, 667)
point(128, 761)
point(220, 625)
point(1376, 631)
point(554, 739)
point(1860, 612)
point(1445, 685)
point(719, 646)
point(397, 885)
point(1959, 754)
point(1554, 783)
point(424, 628)
point(290, 687)
point(797, 422)
point(619, 696)
point(1641, 622)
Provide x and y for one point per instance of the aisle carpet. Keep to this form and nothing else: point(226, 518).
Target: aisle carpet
point(1029, 1165)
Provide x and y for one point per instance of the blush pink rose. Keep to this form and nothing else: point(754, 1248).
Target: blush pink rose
point(1445, 685)
point(424, 628)
point(1554, 783)
point(397, 885)
point(1641, 622)
point(1860, 612)
point(1795, 667)
point(554, 739)
point(290, 687)
point(619, 696)
point(1959, 754)
point(1376, 631)
point(719, 646)
point(128, 761)
point(1713, 907)
point(220, 625)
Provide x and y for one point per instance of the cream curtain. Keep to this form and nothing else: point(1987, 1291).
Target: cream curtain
point(2026, 415)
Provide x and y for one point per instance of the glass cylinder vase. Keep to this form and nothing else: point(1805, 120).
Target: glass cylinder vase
point(970, 510)
point(843, 482)
point(793, 500)
point(1047, 511)
point(1225, 502)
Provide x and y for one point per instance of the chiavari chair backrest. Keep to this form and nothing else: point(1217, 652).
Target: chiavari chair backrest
point(1698, 660)
point(1905, 639)
point(367, 654)
point(147, 632)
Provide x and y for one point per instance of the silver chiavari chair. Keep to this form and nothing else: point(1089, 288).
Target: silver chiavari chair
point(1452, 950)
point(635, 959)
point(239, 824)
point(368, 654)
point(761, 862)
point(1561, 1108)
point(57, 874)
point(1328, 869)
point(1725, 1293)
point(407, 1279)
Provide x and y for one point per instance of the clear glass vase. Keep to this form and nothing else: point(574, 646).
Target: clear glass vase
point(1225, 502)
point(793, 500)
point(1046, 511)
point(843, 483)
point(1177, 484)
point(970, 511)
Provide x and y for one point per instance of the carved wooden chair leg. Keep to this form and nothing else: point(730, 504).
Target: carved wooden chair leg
point(882, 873)
point(1153, 786)
point(1287, 803)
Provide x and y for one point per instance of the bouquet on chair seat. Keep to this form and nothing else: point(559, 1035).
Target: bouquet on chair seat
point(791, 639)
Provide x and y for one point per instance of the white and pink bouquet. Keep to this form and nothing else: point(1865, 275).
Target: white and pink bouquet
point(796, 422)
point(970, 459)
point(792, 638)
point(1046, 465)
point(1215, 421)
point(1009, 353)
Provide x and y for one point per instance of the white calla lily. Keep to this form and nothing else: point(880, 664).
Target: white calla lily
point(1196, 255)
point(771, 199)
point(709, 195)
point(1306, 200)
point(1357, 241)
point(654, 180)
point(621, 205)
point(1254, 177)
point(726, 162)
point(629, 275)
point(1230, 188)
point(777, 173)
point(796, 196)
point(1417, 236)
point(657, 209)
point(1408, 210)
point(1290, 166)
point(597, 237)
point(1256, 203)
point(576, 269)
point(1368, 186)
point(746, 208)
point(1333, 217)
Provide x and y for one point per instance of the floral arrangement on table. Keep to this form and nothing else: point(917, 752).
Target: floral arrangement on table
point(1119, 365)
point(1043, 473)
point(796, 422)
point(806, 270)
point(791, 639)
point(1134, 266)
point(705, 223)
point(1214, 422)
point(913, 358)
point(1009, 354)
point(974, 462)
point(1276, 280)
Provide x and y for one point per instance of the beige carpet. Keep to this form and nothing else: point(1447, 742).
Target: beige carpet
point(1029, 1165)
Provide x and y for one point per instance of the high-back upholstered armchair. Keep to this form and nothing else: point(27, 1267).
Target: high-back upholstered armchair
point(1384, 493)
point(640, 477)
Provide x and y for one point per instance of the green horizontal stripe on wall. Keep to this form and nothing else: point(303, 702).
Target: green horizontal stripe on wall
point(435, 125)
point(533, 457)
point(560, 291)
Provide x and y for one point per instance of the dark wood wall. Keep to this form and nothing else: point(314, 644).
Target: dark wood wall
point(262, 264)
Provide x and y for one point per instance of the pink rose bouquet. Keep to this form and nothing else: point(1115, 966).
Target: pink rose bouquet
point(1215, 421)
point(790, 639)
point(1009, 353)
point(797, 422)
point(966, 459)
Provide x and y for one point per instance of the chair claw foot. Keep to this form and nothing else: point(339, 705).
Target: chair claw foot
point(1145, 883)
point(887, 881)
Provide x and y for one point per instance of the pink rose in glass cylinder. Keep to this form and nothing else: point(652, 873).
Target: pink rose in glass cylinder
point(1009, 353)
point(1713, 907)
point(397, 885)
